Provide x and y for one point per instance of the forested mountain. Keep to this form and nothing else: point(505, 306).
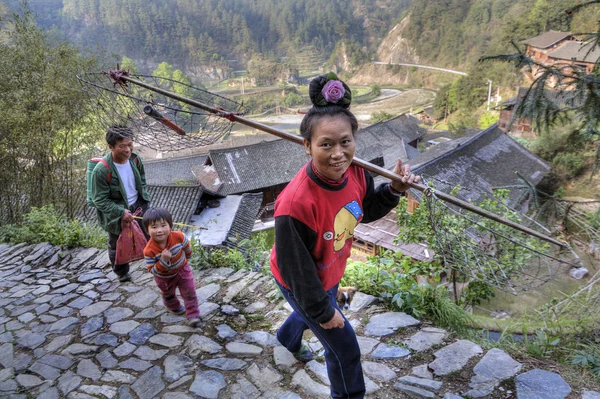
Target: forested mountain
point(187, 33)
point(458, 32)
point(201, 31)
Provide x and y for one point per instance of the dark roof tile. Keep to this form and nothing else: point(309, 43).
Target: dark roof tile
point(577, 51)
point(487, 160)
point(243, 223)
point(547, 39)
point(257, 166)
point(181, 201)
point(173, 170)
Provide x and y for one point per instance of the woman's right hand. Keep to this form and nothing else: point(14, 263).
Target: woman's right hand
point(337, 321)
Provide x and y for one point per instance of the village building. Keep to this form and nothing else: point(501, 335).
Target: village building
point(427, 115)
point(539, 47)
point(553, 47)
point(523, 127)
point(478, 164)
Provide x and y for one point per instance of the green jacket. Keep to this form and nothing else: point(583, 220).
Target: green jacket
point(110, 199)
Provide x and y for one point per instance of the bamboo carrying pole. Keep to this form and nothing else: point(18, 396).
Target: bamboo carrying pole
point(363, 164)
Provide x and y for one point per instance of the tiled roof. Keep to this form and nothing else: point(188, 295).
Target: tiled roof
point(547, 39)
point(577, 51)
point(181, 201)
point(479, 163)
point(388, 139)
point(242, 225)
point(383, 232)
point(510, 102)
point(436, 151)
point(173, 170)
point(253, 167)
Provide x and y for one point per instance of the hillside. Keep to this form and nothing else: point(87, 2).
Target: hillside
point(186, 33)
point(190, 34)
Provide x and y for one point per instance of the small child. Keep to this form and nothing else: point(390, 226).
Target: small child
point(166, 257)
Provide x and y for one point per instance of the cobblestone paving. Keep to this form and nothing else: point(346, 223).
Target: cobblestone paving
point(69, 329)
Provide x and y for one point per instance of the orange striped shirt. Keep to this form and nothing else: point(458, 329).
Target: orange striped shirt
point(181, 251)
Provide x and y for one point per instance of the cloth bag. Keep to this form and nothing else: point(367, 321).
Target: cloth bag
point(131, 242)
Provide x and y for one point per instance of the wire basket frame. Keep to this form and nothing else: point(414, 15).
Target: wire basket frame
point(157, 121)
point(484, 250)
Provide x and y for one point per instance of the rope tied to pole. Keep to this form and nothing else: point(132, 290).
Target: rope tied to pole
point(116, 75)
point(228, 114)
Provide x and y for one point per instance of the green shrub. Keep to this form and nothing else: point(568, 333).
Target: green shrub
point(292, 99)
point(375, 90)
point(380, 116)
point(476, 292)
point(252, 254)
point(46, 225)
point(433, 303)
point(487, 119)
point(588, 357)
point(568, 164)
point(386, 274)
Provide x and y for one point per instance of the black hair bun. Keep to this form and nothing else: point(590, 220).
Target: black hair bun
point(328, 89)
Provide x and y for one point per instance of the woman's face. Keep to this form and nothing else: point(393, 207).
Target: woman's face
point(331, 146)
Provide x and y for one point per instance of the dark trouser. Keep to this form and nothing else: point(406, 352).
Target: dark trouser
point(122, 270)
point(184, 280)
point(342, 353)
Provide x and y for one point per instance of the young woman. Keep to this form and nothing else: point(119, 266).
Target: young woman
point(315, 217)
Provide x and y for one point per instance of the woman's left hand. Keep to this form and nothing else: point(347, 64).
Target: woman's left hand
point(407, 177)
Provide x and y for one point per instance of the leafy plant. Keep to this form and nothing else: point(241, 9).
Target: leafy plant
point(458, 240)
point(46, 225)
point(250, 254)
point(542, 345)
point(476, 292)
point(588, 357)
point(380, 116)
point(433, 303)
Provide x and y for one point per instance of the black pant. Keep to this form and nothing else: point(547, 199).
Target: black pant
point(122, 270)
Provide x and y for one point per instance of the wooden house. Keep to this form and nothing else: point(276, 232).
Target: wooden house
point(477, 163)
point(539, 47)
point(523, 127)
point(553, 47)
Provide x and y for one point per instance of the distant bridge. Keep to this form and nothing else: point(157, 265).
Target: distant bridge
point(422, 66)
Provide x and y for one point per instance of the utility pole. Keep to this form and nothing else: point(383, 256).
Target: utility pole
point(489, 94)
point(243, 88)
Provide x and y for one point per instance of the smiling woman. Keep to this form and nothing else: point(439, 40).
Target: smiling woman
point(315, 218)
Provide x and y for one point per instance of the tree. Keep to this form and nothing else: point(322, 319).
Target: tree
point(129, 65)
point(486, 119)
point(164, 70)
point(477, 252)
point(46, 130)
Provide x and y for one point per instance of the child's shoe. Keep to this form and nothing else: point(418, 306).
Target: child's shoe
point(194, 322)
point(180, 311)
point(125, 278)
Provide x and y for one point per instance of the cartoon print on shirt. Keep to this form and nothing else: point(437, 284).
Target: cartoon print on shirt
point(344, 223)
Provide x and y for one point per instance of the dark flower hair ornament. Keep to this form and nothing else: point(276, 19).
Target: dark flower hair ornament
point(328, 90)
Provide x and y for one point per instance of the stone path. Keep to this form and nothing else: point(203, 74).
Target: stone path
point(69, 329)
